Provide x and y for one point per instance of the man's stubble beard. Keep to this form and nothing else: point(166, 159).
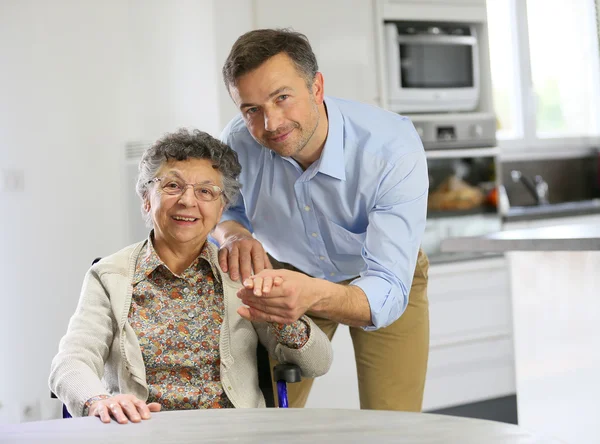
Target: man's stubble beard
point(305, 137)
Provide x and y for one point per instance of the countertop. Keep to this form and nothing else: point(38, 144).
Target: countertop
point(275, 426)
point(562, 209)
point(581, 237)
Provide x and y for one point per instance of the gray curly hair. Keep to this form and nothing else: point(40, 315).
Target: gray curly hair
point(182, 145)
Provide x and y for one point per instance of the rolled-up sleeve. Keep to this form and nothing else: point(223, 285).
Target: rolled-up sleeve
point(237, 213)
point(394, 233)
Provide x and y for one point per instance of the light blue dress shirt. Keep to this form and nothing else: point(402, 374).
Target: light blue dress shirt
point(359, 210)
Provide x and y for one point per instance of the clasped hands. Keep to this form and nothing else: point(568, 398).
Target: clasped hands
point(280, 296)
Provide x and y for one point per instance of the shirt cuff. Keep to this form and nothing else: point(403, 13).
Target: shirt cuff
point(383, 301)
point(293, 335)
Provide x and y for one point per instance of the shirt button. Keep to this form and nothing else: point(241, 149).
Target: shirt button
point(322, 258)
point(314, 234)
point(332, 274)
point(186, 290)
point(306, 208)
point(191, 315)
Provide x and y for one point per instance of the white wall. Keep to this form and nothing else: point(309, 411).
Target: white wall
point(228, 27)
point(77, 81)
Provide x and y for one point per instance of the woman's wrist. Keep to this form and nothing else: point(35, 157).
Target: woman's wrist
point(92, 400)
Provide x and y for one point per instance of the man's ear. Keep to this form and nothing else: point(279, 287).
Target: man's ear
point(318, 88)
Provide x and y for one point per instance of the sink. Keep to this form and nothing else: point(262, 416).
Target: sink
point(554, 210)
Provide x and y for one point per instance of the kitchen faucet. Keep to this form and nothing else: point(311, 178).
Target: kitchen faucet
point(539, 189)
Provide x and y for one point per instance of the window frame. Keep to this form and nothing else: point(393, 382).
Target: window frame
point(525, 131)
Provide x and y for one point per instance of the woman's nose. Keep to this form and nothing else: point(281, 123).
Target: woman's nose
point(188, 198)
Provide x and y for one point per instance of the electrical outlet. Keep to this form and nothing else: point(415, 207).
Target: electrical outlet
point(13, 180)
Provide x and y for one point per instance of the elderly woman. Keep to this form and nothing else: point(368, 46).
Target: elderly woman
point(158, 323)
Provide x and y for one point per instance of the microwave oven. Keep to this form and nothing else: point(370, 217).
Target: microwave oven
point(431, 67)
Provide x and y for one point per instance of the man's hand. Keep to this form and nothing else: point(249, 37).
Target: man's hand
point(123, 408)
point(281, 296)
point(240, 254)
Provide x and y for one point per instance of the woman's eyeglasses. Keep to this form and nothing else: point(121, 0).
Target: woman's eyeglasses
point(176, 187)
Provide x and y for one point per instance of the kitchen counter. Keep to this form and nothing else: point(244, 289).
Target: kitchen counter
point(563, 209)
point(582, 237)
point(556, 324)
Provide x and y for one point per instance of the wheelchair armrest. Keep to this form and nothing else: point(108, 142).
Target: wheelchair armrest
point(287, 372)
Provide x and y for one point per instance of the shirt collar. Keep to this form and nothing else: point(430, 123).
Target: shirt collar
point(149, 261)
point(332, 161)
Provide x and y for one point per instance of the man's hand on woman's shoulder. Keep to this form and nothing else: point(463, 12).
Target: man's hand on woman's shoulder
point(240, 254)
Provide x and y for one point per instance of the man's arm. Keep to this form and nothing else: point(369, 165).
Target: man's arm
point(346, 304)
point(239, 252)
point(380, 295)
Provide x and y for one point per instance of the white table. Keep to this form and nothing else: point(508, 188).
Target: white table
point(282, 426)
point(555, 289)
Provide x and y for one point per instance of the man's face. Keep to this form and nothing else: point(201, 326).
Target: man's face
point(279, 109)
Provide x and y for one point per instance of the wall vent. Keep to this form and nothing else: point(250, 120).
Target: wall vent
point(135, 149)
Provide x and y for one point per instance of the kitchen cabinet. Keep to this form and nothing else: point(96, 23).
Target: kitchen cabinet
point(436, 10)
point(342, 35)
point(471, 356)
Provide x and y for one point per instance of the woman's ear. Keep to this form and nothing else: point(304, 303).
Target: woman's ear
point(220, 213)
point(147, 205)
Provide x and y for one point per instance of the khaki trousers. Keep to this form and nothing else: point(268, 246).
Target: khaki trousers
point(391, 362)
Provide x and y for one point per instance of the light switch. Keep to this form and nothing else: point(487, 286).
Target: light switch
point(13, 180)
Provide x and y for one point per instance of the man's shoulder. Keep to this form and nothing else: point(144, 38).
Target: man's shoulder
point(366, 115)
point(375, 129)
point(235, 128)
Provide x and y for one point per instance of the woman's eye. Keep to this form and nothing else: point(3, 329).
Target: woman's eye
point(283, 97)
point(172, 186)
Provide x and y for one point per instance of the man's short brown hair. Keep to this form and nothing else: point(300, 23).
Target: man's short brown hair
point(254, 48)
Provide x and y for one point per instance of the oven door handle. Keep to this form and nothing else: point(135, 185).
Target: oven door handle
point(466, 40)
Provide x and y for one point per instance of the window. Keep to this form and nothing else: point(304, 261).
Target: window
point(545, 70)
point(504, 62)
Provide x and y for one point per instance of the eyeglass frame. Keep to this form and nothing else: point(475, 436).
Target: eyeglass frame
point(216, 189)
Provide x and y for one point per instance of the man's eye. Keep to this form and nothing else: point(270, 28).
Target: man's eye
point(252, 110)
point(283, 97)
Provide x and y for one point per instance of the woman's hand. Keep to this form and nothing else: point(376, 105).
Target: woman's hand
point(123, 408)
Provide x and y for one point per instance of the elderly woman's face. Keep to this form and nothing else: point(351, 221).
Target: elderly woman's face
point(181, 219)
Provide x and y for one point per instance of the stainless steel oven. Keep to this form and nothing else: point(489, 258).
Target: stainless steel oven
point(431, 67)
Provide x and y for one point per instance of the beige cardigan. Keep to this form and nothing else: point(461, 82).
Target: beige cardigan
point(100, 353)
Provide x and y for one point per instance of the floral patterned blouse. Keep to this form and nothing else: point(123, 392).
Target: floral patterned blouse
point(178, 320)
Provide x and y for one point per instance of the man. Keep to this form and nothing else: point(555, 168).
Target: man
point(334, 196)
